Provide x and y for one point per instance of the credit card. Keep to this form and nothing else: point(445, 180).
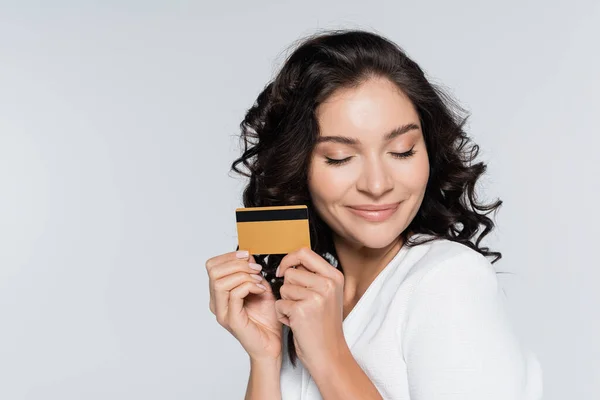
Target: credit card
point(272, 230)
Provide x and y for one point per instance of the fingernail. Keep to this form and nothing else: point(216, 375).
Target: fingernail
point(242, 254)
point(257, 277)
point(277, 272)
point(261, 286)
point(255, 266)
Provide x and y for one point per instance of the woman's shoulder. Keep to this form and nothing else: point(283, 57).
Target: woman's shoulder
point(442, 270)
point(438, 269)
point(440, 248)
point(450, 261)
point(455, 327)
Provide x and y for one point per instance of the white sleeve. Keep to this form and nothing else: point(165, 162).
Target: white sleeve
point(457, 340)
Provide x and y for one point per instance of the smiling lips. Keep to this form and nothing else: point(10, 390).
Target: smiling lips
point(374, 212)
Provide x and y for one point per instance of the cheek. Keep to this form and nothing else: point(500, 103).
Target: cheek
point(414, 175)
point(420, 173)
point(328, 183)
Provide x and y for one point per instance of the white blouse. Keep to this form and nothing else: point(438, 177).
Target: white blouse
point(432, 326)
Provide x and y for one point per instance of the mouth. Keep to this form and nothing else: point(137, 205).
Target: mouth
point(375, 213)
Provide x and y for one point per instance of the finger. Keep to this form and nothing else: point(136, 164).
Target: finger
point(304, 278)
point(222, 270)
point(237, 317)
point(262, 281)
point(266, 284)
point(297, 293)
point(224, 258)
point(232, 255)
point(283, 309)
point(227, 268)
point(310, 260)
point(224, 286)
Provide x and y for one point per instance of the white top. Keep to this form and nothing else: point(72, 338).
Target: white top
point(432, 326)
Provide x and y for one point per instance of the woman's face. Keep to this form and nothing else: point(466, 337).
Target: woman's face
point(354, 127)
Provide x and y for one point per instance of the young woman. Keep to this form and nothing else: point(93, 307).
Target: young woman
point(396, 299)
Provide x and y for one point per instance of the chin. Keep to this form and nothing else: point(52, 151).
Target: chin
point(375, 239)
point(376, 243)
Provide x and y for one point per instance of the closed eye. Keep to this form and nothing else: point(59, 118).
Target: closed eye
point(404, 155)
point(333, 161)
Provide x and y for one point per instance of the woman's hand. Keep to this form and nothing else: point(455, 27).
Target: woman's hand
point(312, 306)
point(246, 310)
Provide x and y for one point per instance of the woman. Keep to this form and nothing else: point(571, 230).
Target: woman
point(396, 299)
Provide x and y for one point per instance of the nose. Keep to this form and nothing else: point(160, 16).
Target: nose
point(375, 178)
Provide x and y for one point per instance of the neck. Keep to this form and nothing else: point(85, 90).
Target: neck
point(361, 264)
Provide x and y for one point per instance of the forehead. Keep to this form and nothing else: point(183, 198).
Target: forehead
point(366, 112)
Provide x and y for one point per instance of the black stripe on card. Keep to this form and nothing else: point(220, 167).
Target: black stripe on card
point(271, 215)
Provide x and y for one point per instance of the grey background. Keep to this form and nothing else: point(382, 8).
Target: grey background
point(117, 129)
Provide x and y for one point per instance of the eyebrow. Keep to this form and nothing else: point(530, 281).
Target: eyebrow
point(353, 142)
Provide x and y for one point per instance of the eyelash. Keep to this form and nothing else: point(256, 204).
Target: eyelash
point(332, 161)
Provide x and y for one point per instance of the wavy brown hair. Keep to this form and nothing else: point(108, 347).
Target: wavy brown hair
point(279, 131)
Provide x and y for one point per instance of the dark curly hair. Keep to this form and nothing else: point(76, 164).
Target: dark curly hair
point(280, 130)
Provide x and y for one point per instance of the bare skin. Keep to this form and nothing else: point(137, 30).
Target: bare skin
point(242, 307)
point(375, 168)
point(371, 175)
